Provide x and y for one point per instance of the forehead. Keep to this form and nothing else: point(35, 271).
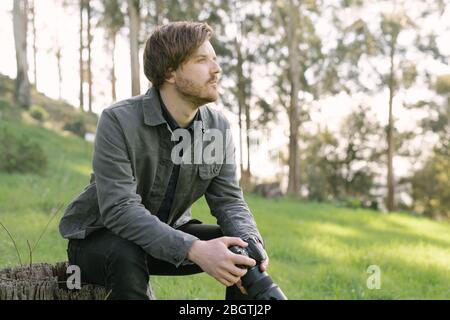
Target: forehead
point(205, 49)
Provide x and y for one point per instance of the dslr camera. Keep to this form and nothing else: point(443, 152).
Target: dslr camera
point(259, 285)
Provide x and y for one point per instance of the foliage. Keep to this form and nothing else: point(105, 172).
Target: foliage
point(76, 125)
point(18, 153)
point(38, 113)
point(4, 104)
point(339, 166)
point(431, 187)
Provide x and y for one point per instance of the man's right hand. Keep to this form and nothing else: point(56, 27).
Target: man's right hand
point(214, 257)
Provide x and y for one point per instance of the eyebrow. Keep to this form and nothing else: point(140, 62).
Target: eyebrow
point(204, 56)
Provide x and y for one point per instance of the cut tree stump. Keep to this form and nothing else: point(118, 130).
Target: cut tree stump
point(45, 281)
point(269, 190)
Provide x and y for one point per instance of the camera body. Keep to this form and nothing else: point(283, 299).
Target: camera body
point(259, 285)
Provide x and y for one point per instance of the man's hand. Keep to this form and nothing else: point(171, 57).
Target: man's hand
point(214, 257)
point(265, 264)
point(262, 267)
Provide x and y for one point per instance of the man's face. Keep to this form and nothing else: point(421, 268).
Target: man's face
point(196, 80)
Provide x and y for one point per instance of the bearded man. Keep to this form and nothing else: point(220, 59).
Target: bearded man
point(134, 218)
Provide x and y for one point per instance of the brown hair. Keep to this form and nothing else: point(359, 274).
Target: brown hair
point(170, 45)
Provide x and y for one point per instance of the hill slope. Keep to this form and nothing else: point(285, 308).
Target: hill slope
point(317, 250)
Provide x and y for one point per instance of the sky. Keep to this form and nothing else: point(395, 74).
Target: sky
point(58, 26)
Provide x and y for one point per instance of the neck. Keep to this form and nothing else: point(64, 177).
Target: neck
point(182, 111)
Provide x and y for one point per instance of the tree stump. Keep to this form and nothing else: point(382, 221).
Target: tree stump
point(43, 281)
point(269, 190)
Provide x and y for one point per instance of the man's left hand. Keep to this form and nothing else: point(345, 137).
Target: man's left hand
point(264, 265)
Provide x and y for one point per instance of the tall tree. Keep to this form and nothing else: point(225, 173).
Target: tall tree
point(303, 71)
point(86, 38)
point(89, 61)
point(242, 22)
point(33, 27)
point(134, 26)
point(80, 52)
point(22, 87)
point(112, 20)
point(293, 20)
point(58, 56)
point(376, 48)
point(431, 183)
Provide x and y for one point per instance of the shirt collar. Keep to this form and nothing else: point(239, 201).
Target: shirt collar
point(171, 121)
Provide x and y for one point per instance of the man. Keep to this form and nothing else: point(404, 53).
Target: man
point(133, 220)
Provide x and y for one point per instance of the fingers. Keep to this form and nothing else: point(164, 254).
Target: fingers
point(264, 264)
point(241, 287)
point(239, 272)
point(228, 279)
point(234, 241)
point(231, 275)
point(225, 282)
point(243, 260)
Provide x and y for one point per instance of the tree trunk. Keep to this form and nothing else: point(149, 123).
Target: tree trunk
point(133, 13)
point(390, 155)
point(390, 133)
point(58, 59)
point(294, 112)
point(113, 69)
point(33, 25)
point(22, 89)
point(89, 63)
point(241, 102)
point(81, 3)
point(47, 282)
point(247, 126)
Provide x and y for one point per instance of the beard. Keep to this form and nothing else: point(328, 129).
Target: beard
point(195, 93)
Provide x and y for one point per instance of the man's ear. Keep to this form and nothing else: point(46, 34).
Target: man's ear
point(170, 76)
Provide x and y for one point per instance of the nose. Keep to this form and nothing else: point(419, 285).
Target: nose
point(216, 69)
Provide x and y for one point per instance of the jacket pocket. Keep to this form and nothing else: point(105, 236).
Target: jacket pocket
point(208, 171)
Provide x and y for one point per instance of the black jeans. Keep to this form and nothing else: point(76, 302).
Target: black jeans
point(124, 268)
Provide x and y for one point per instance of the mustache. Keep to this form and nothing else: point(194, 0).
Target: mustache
point(213, 80)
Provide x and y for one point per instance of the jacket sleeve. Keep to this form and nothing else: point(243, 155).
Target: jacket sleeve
point(121, 207)
point(225, 198)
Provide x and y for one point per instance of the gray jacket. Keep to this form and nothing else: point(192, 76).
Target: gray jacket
point(131, 169)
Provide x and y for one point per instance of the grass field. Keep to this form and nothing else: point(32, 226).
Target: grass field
point(317, 251)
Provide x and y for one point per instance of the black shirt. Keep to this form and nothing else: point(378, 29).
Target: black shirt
point(166, 204)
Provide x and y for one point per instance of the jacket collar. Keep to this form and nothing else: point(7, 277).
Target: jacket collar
point(153, 113)
point(152, 108)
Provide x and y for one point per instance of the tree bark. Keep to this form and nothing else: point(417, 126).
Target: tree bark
point(22, 88)
point(58, 59)
point(294, 112)
point(44, 281)
point(133, 13)
point(33, 25)
point(247, 126)
point(81, 3)
point(89, 62)
point(241, 101)
point(113, 69)
point(390, 132)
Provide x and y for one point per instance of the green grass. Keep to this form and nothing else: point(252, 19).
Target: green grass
point(317, 251)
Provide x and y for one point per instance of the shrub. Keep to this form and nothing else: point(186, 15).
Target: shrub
point(19, 154)
point(77, 126)
point(4, 104)
point(38, 113)
point(352, 202)
point(431, 187)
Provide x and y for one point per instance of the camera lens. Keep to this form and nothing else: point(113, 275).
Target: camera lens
point(260, 285)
